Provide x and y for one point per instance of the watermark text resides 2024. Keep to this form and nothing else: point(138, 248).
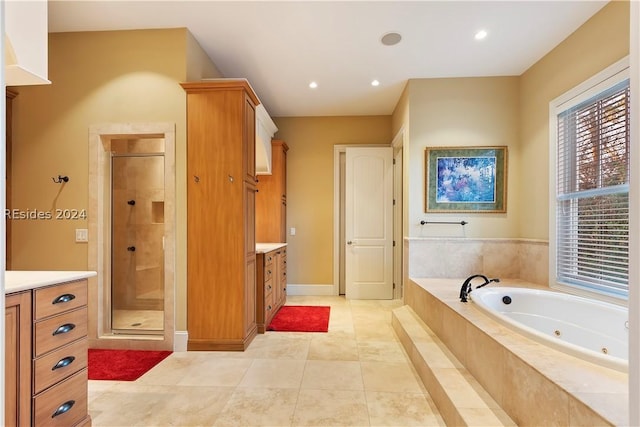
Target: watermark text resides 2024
point(37, 214)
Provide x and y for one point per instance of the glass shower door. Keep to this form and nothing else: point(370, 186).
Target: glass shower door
point(137, 244)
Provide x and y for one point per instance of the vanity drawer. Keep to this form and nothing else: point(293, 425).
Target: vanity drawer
point(268, 288)
point(269, 306)
point(69, 359)
point(56, 299)
point(59, 330)
point(268, 258)
point(68, 399)
point(268, 272)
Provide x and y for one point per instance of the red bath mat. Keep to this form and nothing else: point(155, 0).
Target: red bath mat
point(301, 318)
point(122, 365)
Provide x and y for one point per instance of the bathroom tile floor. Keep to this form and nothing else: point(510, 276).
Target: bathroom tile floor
point(357, 374)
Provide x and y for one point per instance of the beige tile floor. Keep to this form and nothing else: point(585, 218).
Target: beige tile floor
point(357, 374)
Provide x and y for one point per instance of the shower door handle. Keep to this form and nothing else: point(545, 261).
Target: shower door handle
point(131, 248)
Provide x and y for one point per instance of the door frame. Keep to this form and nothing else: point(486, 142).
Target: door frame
point(99, 246)
point(338, 243)
point(398, 212)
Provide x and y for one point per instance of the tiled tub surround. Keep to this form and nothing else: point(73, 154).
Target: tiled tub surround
point(461, 257)
point(534, 384)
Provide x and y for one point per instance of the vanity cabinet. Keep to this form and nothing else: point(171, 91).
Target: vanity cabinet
point(221, 191)
point(271, 285)
point(271, 200)
point(46, 356)
point(281, 290)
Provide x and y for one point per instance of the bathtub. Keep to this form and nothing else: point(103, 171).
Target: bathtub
point(592, 330)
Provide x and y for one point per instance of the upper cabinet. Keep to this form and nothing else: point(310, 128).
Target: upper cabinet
point(271, 200)
point(265, 130)
point(26, 43)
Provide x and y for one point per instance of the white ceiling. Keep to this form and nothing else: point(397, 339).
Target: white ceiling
point(282, 46)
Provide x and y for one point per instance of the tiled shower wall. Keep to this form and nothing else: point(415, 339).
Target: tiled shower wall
point(459, 257)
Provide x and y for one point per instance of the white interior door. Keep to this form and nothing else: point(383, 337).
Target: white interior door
point(369, 223)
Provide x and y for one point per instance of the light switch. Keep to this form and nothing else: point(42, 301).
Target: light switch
point(82, 235)
point(292, 231)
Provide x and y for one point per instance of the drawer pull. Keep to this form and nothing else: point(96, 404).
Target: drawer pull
point(67, 327)
point(269, 307)
point(62, 363)
point(63, 298)
point(269, 287)
point(65, 407)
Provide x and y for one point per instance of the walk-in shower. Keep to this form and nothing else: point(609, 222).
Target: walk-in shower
point(137, 236)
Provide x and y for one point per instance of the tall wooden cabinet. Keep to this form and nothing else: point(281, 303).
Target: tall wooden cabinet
point(271, 201)
point(221, 189)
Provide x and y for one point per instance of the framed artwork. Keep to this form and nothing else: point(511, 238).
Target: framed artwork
point(466, 179)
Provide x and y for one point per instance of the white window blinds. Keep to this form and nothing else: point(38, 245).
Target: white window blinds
point(592, 194)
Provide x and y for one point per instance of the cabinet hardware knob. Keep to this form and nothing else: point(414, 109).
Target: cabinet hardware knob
point(62, 363)
point(349, 242)
point(196, 178)
point(65, 407)
point(63, 298)
point(131, 248)
point(131, 202)
point(67, 327)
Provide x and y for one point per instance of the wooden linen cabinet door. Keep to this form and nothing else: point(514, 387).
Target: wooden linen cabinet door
point(249, 138)
point(251, 266)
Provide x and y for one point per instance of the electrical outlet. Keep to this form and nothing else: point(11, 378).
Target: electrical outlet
point(82, 235)
point(292, 231)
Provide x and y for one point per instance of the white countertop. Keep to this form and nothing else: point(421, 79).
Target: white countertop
point(262, 248)
point(15, 281)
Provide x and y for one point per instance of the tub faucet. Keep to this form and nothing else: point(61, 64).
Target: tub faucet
point(466, 289)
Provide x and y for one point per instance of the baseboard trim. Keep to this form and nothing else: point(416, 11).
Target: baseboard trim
point(310, 290)
point(180, 339)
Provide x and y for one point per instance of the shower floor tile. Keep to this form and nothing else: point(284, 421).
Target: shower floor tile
point(148, 320)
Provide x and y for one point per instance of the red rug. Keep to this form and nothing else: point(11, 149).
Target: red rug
point(300, 318)
point(122, 365)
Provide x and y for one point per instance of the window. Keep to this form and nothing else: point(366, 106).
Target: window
point(592, 189)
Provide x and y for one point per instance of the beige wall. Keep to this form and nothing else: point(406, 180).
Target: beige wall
point(310, 186)
point(600, 42)
point(97, 77)
point(462, 112)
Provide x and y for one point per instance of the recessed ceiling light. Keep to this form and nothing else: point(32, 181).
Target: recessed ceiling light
point(375, 83)
point(481, 35)
point(313, 85)
point(389, 39)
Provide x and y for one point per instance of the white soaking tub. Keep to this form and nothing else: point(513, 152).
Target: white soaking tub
point(592, 330)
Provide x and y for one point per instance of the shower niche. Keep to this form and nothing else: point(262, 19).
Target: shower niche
point(137, 236)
